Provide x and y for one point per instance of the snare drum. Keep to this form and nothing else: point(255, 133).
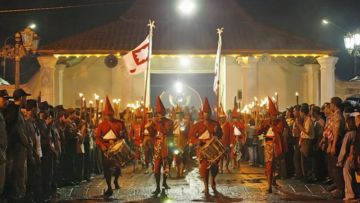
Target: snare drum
point(120, 153)
point(213, 150)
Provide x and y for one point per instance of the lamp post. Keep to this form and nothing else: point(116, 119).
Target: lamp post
point(26, 42)
point(352, 45)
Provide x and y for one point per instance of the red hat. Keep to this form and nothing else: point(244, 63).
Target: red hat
point(206, 106)
point(108, 110)
point(138, 113)
point(200, 115)
point(235, 113)
point(272, 108)
point(221, 113)
point(159, 107)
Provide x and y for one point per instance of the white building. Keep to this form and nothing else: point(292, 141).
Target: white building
point(257, 60)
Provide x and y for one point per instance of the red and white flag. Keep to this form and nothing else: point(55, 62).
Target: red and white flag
point(217, 66)
point(137, 60)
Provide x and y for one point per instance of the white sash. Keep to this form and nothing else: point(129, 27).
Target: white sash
point(110, 135)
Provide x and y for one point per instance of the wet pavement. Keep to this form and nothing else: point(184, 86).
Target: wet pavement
point(245, 185)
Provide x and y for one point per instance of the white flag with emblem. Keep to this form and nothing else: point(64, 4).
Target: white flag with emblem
point(137, 60)
point(217, 64)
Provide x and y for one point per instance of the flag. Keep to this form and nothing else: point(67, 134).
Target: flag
point(217, 67)
point(137, 60)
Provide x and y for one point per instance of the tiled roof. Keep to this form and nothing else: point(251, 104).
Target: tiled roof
point(179, 34)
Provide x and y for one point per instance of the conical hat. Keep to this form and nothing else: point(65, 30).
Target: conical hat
point(272, 108)
point(235, 113)
point(138, 112)
point(159, 107)
point(206, 106)
point(108, 110)
point(221, 113)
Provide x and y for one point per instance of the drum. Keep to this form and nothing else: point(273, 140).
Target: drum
point(120, 153)
point(213, 150)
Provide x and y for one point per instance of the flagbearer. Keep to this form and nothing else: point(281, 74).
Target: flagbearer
point(109, 131)
point(164, 128)
point(200, 134)
point(226, 139)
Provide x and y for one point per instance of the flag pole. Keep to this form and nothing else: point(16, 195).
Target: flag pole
point(219, 32)
point(151, 26)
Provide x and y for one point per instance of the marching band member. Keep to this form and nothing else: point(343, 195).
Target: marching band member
point(238, 136)
point(109, 131)
point(226, 139)
point(200, 133)
point(181, 129)
point(149, 139)
point(164, 128)
point(136, 136)
point(273, 145)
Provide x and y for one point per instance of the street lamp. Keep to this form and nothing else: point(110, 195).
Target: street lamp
point(352, 45)
point(26, 42)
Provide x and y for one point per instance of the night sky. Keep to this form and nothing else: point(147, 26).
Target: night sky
point(301, 17)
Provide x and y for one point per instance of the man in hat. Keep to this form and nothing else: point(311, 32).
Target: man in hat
point(136, 135)
point(109, 131)
point(226, 139)
point(45, 123)
point(18, 145)
point(273, 130)
point(3, 138)
point(200, 134)
point(164, 129)
point(181, 130)
point(34, 184)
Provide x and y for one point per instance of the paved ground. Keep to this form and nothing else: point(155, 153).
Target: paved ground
point(246, 185)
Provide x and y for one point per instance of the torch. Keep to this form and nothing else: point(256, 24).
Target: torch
point(297, 98)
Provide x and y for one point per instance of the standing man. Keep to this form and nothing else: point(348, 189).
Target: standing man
point(3, 139)
point(18, 146)
point(338, 132)
point(307, 134)
point(200, 133)
point(109, 131)
point(164, 128)
point(296, 137)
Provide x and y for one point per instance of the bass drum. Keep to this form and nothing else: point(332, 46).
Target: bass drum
point(120, 153)
point(213, 150)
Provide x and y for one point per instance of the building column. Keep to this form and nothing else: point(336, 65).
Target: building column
point(313, 78)
point(47, 78)
point(248, 66)
point(327, 77)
